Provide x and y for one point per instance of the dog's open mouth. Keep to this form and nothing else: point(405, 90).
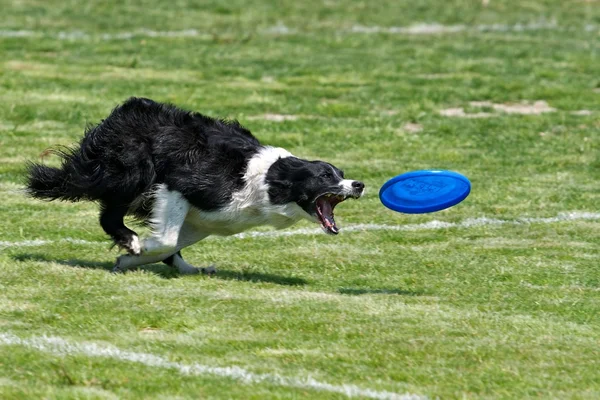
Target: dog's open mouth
point(324, 206)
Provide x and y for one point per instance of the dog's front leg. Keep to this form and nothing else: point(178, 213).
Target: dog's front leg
point(168, 215)
point(129, 261)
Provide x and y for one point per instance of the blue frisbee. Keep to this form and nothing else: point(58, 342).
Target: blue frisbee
point(420, 192)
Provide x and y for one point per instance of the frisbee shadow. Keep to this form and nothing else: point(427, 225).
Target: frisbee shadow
point(161, 270)
point(246, 276)
point(360, 291)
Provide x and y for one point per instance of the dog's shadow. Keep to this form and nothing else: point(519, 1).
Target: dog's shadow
point(165, 271)
point(400, 292)
point(259, 277)
point(160, 270)
point(72, 262)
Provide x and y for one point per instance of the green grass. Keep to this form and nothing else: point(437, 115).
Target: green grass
point(492, 311)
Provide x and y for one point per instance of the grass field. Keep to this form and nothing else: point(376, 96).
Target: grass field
point(498, 297)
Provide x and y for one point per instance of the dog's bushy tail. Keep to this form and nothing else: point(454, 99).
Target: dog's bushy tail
point(76, 179)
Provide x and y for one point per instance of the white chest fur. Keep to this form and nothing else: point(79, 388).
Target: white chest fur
point(250, 206)
point(230, 222)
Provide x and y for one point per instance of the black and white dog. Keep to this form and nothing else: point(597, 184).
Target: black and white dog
point(188, 176)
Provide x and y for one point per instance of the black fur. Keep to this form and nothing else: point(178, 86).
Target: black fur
point(143, 143)
point(140, 144)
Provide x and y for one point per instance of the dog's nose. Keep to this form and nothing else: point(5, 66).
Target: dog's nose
point(358, 185)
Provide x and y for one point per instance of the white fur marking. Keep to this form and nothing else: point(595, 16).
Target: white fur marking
point(346, 185)
point(168, 215)
point(336, 173)
point(135, 245)
point(189, 235)
point(348, 189)
point(61, 347)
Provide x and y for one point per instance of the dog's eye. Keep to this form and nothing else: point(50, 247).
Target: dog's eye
point(326, 175)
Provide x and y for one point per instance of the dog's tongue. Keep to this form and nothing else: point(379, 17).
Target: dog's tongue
point(325, 213)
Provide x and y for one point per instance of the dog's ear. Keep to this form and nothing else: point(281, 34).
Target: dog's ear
point(280, 191)
point(280, 184)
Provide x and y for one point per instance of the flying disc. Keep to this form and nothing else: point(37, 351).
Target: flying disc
point(426, 191)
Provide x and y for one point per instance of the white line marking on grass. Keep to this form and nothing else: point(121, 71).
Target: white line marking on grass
point(81, 35)
point(17, 33)
point(578, 288)
point(435, 29)
point(280, 29)
point(417, 29)
point(431, 225)
point(41, 242)
point(58, 346)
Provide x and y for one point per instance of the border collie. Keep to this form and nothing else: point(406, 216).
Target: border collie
point(188, 176)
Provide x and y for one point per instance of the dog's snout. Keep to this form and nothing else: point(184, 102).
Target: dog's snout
point(356, 185)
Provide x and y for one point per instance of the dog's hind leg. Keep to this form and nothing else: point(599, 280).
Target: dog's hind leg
point(168, 216)
point(111, 220)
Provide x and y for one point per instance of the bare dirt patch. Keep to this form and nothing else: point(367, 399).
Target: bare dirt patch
point(523, 108)
point(582, 112)
point(412, 128)
point(275, 117)
point(459, 112)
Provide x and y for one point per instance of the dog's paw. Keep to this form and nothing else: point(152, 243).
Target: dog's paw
point(190, 270)
point(117, 269)
point(210, 270)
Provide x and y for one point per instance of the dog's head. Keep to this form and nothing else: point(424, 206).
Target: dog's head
point(316, 186)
